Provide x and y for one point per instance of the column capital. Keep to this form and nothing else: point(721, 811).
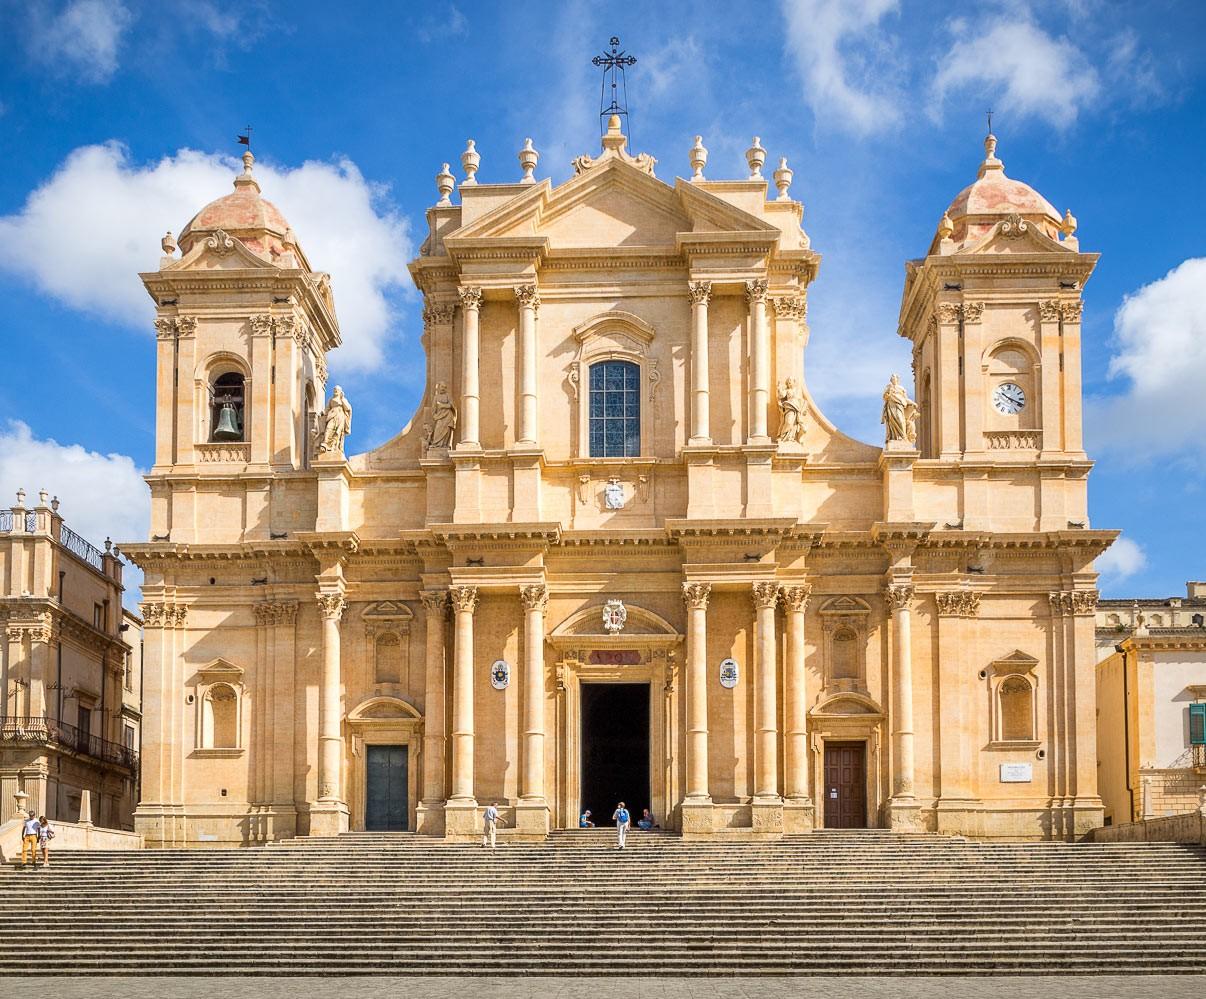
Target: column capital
point(535, 597)
point(434, 602)
point(700, 292)
point(899, 596)
point(958, 603)
point(464, 598)
point(766, 594)
point(439, 313)
point(795, 596)
point(695, 595)
point(755, 291)
point(528, 296)
point(470, 297)
point(331, 605)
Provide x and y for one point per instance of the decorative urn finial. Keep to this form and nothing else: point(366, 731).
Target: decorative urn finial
point(1068, 226)
point(783, 178)
point(470, 160)
point(946, 228)
point(445, 182)
point(755, 156)
point(168, 243)
point(698, 158)
point(528, 158)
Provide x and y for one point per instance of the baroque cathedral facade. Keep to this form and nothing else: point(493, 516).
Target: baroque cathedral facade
point(619, 552)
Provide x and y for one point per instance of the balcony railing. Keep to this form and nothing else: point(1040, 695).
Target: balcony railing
point(20, 730)
point(7, 517)
point(81, 548)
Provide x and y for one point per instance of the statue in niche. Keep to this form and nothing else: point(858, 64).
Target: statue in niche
point(791, 412)
point(336, 423)
point(899, 414)
point(443, 419)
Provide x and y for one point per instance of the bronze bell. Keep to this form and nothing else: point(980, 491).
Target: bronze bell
point(228, 428)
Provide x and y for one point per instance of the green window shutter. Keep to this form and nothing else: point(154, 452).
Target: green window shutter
point(1197, 724)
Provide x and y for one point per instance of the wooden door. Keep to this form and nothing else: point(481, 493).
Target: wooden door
point(845, 785)
point(386, 798)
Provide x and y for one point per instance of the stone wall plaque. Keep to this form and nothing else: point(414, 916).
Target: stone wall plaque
point(500, 674)
point(1016, 773)
point(729, 674)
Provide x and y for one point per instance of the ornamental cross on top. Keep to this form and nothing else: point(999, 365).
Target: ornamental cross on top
point(613, 63)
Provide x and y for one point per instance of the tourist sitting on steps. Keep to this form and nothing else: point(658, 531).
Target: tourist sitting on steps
point(584, 820)
point(646, 820)
point(622, 820)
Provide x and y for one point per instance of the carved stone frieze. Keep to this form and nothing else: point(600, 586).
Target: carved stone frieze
point(1007, 440)
point(37, 627)
point(958, 603)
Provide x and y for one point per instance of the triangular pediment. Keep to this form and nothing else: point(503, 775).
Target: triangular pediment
point(387, 610)
point(612, 204)
point(845, 605)
point(1016, 662)
point(219, 670)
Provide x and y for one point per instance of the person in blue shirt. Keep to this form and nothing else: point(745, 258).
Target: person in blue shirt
point(646, 820)
point(584, 820)
point(622, 820)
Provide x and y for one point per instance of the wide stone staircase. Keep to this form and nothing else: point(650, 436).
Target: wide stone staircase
point(863, 902)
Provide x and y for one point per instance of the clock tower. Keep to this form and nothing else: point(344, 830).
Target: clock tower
point(993, 312)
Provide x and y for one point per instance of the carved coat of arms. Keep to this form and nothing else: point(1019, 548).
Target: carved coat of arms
point(728, 674)
point(615, 614)
point(500, 674)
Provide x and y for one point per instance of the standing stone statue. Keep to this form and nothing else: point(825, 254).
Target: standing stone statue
point(791, 412)
point(899, 414)
point(443, 419)
point(336, 423)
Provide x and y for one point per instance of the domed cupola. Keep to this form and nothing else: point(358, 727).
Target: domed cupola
point(253, 219)
point(991, 198)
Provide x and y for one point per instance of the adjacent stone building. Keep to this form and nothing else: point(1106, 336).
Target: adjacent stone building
point(618, 552)
point(1151, 704)
point(70, 673)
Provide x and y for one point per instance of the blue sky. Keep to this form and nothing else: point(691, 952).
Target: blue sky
point(118, 119)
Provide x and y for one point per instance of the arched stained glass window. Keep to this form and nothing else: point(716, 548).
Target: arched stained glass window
point(615, 410)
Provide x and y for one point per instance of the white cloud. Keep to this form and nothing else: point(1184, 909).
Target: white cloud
point(1019, 65)
point(102, 495)
point(449, 23)
point(1121, 560)
point(844, 60)
point(1160, 333)
point(84, 235)
point(86, 34)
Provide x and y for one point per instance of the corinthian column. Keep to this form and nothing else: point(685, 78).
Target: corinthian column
point(696, 597)
point(464, 602)
point(329, 815)
point(435, 604)
point(766, 712)
point(701, 294)
point(529, 305)
point(535, 599)
point(795, 707)
point(755, 295)
point(899, 597)
point(471, 301)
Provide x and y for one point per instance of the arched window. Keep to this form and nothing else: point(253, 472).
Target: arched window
point(615, 410)
point(1017, 709)
point(226, 408)
point(389, 658)
point(220, 720)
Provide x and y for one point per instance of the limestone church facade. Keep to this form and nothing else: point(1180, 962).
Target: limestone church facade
point(618, 551)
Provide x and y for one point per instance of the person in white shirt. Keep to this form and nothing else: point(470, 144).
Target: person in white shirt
point(30, 831)
point(45, 835)
point(622, 820)
point(489, 825)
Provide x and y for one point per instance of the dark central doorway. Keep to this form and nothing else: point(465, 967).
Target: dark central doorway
point(615, 749)
point(385, 802)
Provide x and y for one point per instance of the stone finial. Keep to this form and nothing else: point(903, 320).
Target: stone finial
point(946, 228)
point(445, 182)
point(54, 504)
point(108, 545)
point(21, 497)
point(43, 497)
point(990, 155)
point(783, 179)
point(168, 243)
point(528, 158)
point(698, 158)
point(1068, 226)
point(614, 137)
point(470, 160)
point(246, 179)
point(755, 156)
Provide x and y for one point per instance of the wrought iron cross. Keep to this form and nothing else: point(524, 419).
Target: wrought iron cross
point(613, 64)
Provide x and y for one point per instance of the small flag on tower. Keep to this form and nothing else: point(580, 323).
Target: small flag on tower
point(245, 139)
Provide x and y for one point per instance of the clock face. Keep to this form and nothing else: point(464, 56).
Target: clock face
point(1008, 398)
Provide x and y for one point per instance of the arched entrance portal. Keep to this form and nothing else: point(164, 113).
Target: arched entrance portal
point(385, 763)
point(617, 708)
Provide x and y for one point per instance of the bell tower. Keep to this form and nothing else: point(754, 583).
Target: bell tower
point(993, 313)
point(244, 325)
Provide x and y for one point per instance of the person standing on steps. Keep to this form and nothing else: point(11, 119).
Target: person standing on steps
point(45, 835)
point(29, 840)
point(622, 820)
point(489, 825)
